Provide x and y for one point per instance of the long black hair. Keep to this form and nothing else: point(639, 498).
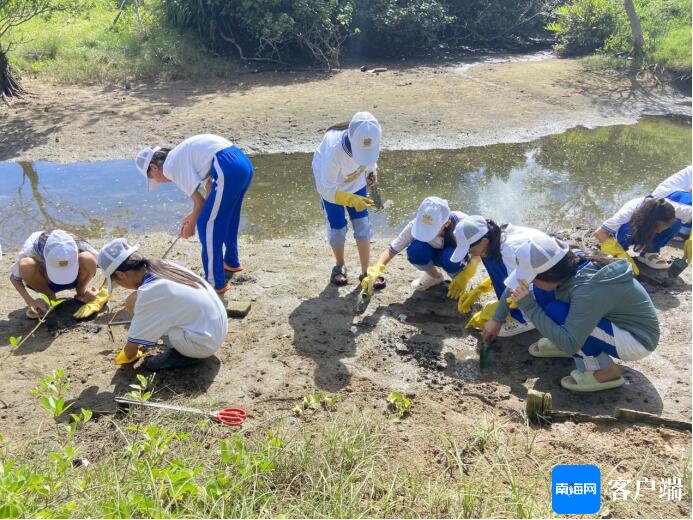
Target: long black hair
point(161, 269)
point(644, 219)
point(567, 267)
point(494, 236)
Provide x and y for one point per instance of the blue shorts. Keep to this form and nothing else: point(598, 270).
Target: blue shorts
point(335, 212)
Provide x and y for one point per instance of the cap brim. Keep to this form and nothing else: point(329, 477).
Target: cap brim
point(459, 253)
point(63, 275)
point(424, 233)
point(513, 281)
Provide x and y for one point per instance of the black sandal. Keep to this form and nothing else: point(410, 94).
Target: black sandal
point(379, 284)
point(339, 270)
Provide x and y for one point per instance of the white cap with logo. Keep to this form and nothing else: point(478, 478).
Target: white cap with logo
point(467, 231)
point(430, 217)
point(112, 255)
point(62, 257)
point(142, 161)
point(536, 256)
point(364, 134)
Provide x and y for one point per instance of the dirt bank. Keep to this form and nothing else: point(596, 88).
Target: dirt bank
point(302, 335)
point(420, 107)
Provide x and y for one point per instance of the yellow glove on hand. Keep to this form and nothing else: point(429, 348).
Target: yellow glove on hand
point(461, 279)
point(479, 319)
point(464, 304)
point(372, 275)
point(687, 250)
point(611, 247)
point(511, 303)
point(357, 202)
point(122, 359)
point(93, 306)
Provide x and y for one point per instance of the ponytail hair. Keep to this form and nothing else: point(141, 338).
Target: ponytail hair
point(344, 125)
point(494, 236)
point(644, 219)
point(161, 269)
point(567, 266)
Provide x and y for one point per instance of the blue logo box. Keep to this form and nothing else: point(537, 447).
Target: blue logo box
point(575, 489)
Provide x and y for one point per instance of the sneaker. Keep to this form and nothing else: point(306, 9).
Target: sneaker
point(425, 281)
point(170, 358)
point(512, 327)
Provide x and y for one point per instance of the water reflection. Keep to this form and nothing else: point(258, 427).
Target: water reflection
point(577, 177)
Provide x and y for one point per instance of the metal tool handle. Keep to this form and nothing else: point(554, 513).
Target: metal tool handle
point(170, 247)
point(124, 400)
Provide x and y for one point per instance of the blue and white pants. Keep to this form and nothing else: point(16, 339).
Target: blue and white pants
point(217, 225)
point(605, 342)
point(337, 222)
point(497, 272)
point(423, 256)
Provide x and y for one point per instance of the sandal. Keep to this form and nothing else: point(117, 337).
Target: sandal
point(230, 269)
point(379, 284)
point(654, 261)
point(425, 281)
point(586, 382)
point(339, 270)
point(545, 349)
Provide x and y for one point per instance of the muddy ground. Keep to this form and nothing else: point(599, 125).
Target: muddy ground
point(420, 107)
point(302, 336)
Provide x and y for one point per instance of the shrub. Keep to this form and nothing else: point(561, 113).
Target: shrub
point(674, 51)
point(583, 26)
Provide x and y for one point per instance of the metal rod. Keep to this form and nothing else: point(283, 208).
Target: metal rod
point(124, 400)
point(170, 247)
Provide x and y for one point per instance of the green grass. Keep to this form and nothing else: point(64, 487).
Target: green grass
point(334, 465)
point(674, 51)
point(83, 48)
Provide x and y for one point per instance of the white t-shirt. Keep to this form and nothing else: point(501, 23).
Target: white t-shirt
point(31, 249)
point(406, 237)
point(189, 163)
point(623, 215)
point(165, 308)
point(680, 181)
point(512, 238)
point(334, 169)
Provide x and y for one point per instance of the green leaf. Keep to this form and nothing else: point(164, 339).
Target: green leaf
point(15, 341)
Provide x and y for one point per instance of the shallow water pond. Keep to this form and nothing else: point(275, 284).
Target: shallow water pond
point(574, 178)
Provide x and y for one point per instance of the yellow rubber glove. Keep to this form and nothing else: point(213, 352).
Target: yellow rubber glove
point(372, 275)
point(611, 247)
point(511, 303)
point(464, 304)
point(352, 200)
point(122, 359)
point(479, 319)
point(461, 279)
point(687, 250)
point(93, 306)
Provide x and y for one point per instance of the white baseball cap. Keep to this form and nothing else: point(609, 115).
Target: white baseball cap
point(364, 134)
point(142, 161)
point(112, 255)
point(536, 256)
point(467, 231)
point(430, 217)
point(62, 257)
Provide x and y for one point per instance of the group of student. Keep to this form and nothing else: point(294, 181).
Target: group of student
point(588, 306)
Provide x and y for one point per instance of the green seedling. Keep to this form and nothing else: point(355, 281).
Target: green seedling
point(15, 341)
point(18, 341)
point(400, 404)
point(51, 393)
point(315, 401)
point(139, 391)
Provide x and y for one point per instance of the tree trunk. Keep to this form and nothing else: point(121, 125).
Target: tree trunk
point(636, 29)
point(10, 85)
